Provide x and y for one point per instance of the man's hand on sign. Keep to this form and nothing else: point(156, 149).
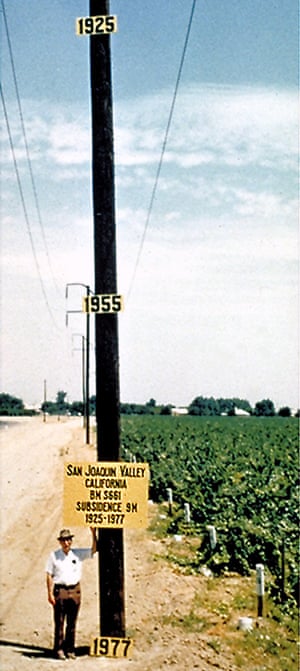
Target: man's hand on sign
point(94, 541)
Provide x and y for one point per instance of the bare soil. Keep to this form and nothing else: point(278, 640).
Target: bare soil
point(159, 598)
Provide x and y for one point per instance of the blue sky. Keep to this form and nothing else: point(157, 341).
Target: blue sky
point(212, 308)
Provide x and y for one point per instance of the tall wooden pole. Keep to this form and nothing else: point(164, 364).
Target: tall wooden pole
point(111, 559)
point(87, 376)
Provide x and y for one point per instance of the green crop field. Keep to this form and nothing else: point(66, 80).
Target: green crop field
point(237, 474)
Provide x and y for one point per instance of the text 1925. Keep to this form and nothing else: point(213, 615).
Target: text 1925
point(96, 25)
point(98, 519)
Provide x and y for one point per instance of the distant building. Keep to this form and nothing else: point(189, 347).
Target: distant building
point(33, 408)
point(241, 413)
point(177, 412)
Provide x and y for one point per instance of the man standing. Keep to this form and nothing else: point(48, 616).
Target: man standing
point(63, 574)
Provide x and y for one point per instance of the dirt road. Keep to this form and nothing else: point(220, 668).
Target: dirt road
point(32, 457)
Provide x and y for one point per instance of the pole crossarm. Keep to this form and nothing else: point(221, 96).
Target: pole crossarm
point(80, 335)
point(77, 284)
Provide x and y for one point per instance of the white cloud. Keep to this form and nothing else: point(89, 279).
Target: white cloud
point(220, 125)
point(69, 143)
point(211, 126)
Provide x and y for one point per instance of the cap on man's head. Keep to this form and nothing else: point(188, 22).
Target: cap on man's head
point(65, 534)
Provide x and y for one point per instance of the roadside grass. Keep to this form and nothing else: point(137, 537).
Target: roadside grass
point(214, 613)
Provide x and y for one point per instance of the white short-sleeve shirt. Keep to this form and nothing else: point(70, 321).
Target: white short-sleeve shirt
point(66, 569)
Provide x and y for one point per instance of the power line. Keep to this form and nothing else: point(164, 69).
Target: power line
point(24, 207)
point(163, 148)
point(36, 200)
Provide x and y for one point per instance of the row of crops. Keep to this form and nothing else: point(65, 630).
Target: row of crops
point(238, 474)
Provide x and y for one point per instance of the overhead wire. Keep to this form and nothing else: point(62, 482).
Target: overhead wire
point(33, 184)
point(25, 208)
point(157, 176)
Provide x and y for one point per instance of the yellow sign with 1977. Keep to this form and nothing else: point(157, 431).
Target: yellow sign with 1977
point(109, 494)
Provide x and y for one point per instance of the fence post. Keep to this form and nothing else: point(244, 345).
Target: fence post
point(260, 588)
point(212, 536)
point(170, 500)
point(187, 513)
point(282, 590)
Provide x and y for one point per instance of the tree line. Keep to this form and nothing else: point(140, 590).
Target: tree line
point(13, 406)
point(231, 406)
point(200, 406)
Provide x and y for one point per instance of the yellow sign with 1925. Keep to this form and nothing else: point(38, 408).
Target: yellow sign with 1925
point(110, 494)
point(96, 25)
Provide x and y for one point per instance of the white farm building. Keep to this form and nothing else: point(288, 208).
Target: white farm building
point(177, 412)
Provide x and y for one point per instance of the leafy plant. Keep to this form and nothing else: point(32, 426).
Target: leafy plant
point(238, 474)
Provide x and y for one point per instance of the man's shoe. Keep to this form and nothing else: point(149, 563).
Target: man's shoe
point(60, 655)
point(71, 655)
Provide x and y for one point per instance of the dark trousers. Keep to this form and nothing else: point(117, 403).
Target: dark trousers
point(67, 603)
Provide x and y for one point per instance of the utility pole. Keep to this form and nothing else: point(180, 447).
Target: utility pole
point(45, 399)
point(87, 377)
point(83, 375)
point(111, 558)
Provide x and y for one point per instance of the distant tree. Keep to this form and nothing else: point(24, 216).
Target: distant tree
point(231, 412)
point(11, 405)
point(151, 403)
point(62, 406)
point(49, 407)
point(57, 407)
point(76, 408)
point(204, 406)
point(212, 406)
point(284, 412)
point(197, 406)
point(166, 410)
point(136, 409)
point(226, 405)
point(146, 409)
point(125, 409)
point(92, 405)
point(264, 408)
